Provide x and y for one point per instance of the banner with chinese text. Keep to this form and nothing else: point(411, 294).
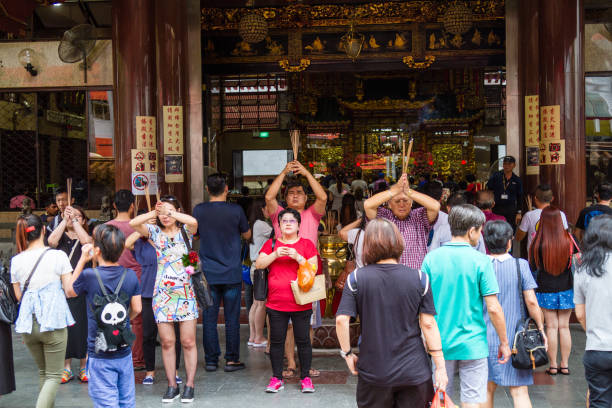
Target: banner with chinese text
point(173, 129)
point(145, 132)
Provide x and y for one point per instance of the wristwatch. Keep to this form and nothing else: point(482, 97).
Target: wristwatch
point(346, 354)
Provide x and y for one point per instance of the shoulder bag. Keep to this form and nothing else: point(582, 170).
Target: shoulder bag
point(260, 280)
point(528, 350)
point(9, 307)
point(575, 257)
point(201, 289)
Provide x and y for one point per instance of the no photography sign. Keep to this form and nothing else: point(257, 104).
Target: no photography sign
point(140, 180)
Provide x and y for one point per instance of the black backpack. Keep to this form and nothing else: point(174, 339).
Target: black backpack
point(111, 313)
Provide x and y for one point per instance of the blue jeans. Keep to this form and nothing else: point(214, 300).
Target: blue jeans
point(111, 382)
point(598, 373)
point(231, 296)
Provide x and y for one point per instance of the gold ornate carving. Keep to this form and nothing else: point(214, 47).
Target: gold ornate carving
point(411, 63)
point(384, 104)
point(307, 15)
point(304, 63)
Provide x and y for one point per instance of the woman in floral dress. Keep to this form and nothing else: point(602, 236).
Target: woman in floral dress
point(173, 296)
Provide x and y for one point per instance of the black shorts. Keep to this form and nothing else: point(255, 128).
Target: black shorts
point(409, 396)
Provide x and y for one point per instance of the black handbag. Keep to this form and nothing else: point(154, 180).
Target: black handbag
point(9, 307)
point(201, 289)
point(260, 280)
point(528, 350)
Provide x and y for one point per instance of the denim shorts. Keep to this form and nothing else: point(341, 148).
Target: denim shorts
point(556, 301)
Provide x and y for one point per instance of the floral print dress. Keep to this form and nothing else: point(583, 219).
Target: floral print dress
point(173, 297)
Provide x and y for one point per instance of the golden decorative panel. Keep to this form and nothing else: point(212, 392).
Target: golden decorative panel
point(384, 104)
point(305, 15)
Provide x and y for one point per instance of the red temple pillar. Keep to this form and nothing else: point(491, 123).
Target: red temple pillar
point(561, 82)
point(134, 78)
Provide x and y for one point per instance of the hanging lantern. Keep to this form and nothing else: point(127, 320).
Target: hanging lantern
point(253, 28)
point(458, 18)
point(352, 43)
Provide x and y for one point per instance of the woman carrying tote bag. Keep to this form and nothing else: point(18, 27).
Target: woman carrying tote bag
point(283, 262)
point(38, 275)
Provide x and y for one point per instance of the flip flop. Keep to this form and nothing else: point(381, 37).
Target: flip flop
point(314, 373)
point(549, 372)
point(260, 345)
point(567, 370)
point(289, 373)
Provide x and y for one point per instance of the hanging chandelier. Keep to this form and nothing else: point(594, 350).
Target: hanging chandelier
point(352, 42)
point(458, 18)
point(253, 28)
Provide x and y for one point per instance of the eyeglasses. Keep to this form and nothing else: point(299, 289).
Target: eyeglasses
point(289, 222)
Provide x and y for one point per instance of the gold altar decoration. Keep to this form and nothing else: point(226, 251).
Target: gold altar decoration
point(253, 28)
point(333, 252)
point(352, 43)
point(384, 104)
point(304, 63)
point(457, 19)
point(373, 13)
point(332, 154)
point(410, 62)
point(447, 158)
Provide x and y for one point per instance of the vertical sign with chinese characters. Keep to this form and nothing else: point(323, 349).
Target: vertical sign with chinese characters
point(532, 133)
point(145, 132)
point(552, 147)
point(173, 129)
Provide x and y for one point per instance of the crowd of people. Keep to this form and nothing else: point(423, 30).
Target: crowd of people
point(436, 288)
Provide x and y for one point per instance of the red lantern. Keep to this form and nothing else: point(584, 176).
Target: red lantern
point(464, 162)
point(310, 164)
point(430, 162)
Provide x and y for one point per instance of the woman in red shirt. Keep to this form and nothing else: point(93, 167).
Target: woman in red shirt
point(282, 258)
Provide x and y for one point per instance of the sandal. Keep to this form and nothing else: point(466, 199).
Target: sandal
point(566, 372)
point(290, 373)
point(83, 375)
point(67, 376)
point(314, 373)
point(550, 372)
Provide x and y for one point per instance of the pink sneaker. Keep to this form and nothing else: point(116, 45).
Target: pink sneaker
point(307, 385)
point(275, 385)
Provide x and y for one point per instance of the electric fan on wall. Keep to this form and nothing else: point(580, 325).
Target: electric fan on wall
point(76, 45)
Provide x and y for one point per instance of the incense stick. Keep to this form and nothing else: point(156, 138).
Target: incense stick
point(69, 188)
point(295, 143)
point(403, 156)
point(408, 156)
point(147, 197)
point(136, 204)
point(157, 194)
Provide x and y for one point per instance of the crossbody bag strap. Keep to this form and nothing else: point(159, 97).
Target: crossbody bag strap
point(520, 288)
point(186, 239)
point(27, 282)
point(72, 250)
point(121, 281)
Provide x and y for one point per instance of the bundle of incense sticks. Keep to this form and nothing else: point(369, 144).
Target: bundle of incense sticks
point(330, 225)
point(136, 203)
point(69, 190)
point(295, 142)
point(406, 157)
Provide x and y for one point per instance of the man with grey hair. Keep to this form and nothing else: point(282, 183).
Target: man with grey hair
point(461, 278)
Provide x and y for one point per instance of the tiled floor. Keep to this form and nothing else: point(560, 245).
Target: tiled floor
point(245, 388)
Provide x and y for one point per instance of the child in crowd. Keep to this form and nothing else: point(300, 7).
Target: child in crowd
point(110, 290)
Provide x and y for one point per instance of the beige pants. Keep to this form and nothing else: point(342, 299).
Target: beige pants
point(49, 351)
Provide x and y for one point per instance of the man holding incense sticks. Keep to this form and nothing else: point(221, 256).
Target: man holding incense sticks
point(414, 225)
point(296, 198)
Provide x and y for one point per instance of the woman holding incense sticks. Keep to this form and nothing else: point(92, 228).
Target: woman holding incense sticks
point(69, 236)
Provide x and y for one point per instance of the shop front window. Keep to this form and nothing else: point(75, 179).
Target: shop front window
point(598, 114)
point(48, 137)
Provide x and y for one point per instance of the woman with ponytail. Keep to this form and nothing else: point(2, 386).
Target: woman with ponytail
point(39, 275)
point(69, 236)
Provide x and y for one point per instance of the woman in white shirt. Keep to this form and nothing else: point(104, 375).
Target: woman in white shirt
point(262, 230)
point(353, 233)
point(338, 190)
point(38, 275)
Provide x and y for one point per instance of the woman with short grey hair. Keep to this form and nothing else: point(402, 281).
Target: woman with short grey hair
point(498, 239)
